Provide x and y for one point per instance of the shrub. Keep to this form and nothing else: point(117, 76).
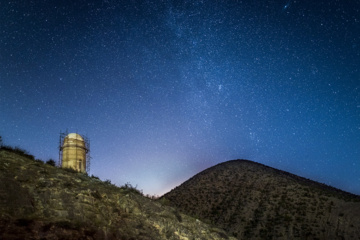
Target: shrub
point(18, 150)
point(39, 161)
point(68, 184)
point(130, 188)
point(96, 195)
point(96, 177)
point(152, 197)
point(71, 170)
point(51, 162)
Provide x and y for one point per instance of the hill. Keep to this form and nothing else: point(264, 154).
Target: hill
point(252, 201)
point(40, 201)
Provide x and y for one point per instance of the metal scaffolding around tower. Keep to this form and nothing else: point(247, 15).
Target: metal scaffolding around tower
point(88, 157)
point(61, 143)
point(74, 152)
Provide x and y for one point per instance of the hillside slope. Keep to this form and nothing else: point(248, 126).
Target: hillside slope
point(39, 201)
point(252, 201)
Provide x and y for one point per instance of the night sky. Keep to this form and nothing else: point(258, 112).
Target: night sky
point(166, 89)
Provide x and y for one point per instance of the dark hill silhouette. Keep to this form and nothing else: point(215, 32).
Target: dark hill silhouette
point(254, 201)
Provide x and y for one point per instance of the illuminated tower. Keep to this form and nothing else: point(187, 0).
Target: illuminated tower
point(74, 152)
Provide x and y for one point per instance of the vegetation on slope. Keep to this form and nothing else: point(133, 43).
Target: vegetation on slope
point(40, 201)
point(253, 201)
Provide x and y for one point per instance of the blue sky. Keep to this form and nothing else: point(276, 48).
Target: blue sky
point(166, 89)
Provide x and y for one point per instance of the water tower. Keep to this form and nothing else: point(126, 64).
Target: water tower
point(74, 152)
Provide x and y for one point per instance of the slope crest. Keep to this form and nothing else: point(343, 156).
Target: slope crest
point(39, 201)
point(253, 201)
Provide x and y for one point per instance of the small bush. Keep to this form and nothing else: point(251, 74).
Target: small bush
point(152, 197)
point(130, 188)
point(68, 184)
point(18, 150)
point(39, 161)
point(71, 170)
point(96, 195)
point(92, 176)
point(51, 162)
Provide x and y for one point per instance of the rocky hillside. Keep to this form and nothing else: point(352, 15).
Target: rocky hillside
point(40, 201)
point(253, 201)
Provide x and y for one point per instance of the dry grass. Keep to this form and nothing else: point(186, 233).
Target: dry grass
point(253, 201)
point(39, 200)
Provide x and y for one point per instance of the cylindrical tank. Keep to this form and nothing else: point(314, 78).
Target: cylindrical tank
point(74, 152)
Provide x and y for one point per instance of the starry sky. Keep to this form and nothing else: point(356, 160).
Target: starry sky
point(166, 89)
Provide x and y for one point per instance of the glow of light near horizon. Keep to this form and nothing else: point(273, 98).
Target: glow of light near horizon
point(165, 89)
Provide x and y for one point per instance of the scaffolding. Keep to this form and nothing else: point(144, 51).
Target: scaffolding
point(86, 148)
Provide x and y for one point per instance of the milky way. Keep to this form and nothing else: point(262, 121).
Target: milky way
point(165, 89)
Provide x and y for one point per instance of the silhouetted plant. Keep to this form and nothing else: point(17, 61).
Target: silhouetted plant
point(51, 162)
point(152, 197)
point(18, 150)
point(130, 188)
point(92, 176)
point(39, 161)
